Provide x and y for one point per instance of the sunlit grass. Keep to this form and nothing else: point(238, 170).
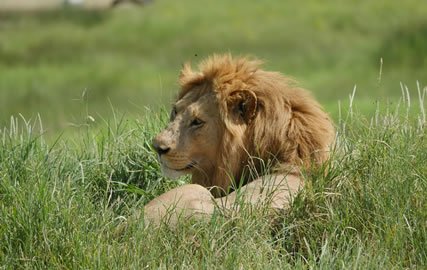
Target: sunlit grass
point(63, 204)
point(66, 198)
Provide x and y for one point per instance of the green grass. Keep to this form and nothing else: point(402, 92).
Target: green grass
point(131, 57)
point(61, 203)
point(105, 75)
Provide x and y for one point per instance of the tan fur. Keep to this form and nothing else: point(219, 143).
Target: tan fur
point(253, 118)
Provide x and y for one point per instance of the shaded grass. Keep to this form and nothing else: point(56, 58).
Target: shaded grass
point(61, 203)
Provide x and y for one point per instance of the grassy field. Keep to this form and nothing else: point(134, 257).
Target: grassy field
point(65, 197)
point(130, 58)
point(61, 204)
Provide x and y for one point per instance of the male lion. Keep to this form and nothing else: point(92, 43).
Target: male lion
point(231, 122)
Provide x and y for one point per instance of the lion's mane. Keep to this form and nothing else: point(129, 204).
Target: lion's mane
point(289, 128)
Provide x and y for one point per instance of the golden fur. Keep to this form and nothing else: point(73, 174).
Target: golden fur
point(230, 118)
point(286, 126)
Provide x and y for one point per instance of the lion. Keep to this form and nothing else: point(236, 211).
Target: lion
point(235, 125)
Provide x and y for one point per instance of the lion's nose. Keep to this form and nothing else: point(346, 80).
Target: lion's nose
point(160, 149)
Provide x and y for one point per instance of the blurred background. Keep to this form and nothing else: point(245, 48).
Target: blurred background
point(74, 60)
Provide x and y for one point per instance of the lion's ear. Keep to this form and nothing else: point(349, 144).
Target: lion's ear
point(242, 104)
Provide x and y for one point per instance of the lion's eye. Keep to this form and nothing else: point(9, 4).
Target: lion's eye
point(196, 123)
point(173, 114)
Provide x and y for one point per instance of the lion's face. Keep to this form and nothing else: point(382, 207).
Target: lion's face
point(191, 140)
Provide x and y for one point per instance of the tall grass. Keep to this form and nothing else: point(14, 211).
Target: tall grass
point(61, 203)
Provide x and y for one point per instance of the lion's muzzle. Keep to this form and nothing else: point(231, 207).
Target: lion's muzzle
point(161, 149)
